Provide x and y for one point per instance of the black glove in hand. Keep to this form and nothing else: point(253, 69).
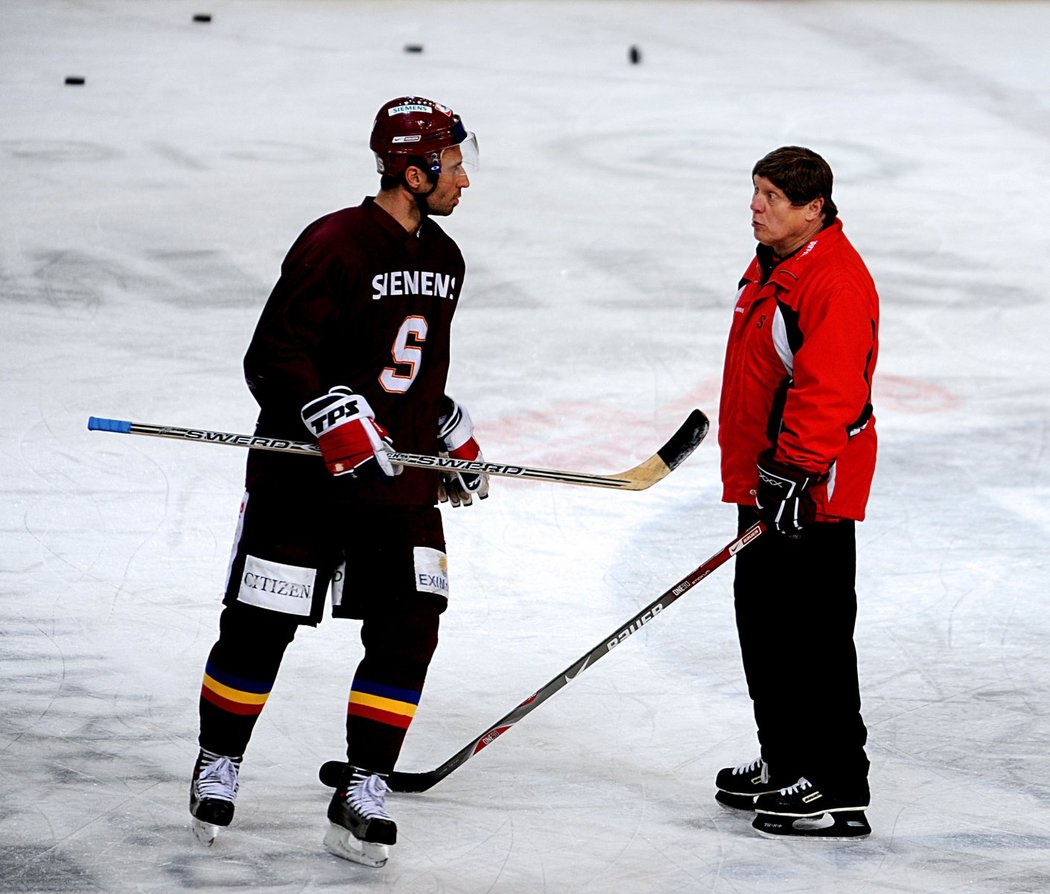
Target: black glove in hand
point(785, 502)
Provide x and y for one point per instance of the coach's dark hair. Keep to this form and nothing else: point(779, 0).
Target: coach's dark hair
point(801, 174)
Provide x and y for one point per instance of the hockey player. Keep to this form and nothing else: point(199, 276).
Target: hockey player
point(798, 444)
point(353, 344)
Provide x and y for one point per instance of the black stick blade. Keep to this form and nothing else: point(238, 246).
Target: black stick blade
point(332, 771)
point(684, 441)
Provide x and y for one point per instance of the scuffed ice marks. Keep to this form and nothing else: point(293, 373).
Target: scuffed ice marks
point(42, 869)
point(204, 279)
point(61, 280)
point(69, 279)
point(75, 152)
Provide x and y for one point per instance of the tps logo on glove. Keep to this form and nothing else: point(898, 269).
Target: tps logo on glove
point(348, 409)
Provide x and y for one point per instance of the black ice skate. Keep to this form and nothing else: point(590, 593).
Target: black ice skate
point(803, 809)
point(737, 787)
point(212, 792)
point(361, 828)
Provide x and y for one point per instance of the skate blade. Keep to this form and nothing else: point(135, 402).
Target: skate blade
point(839, 826)
point(735, 802)
point(205, 833)
point(341, 842)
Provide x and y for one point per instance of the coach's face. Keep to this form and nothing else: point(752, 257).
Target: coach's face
point(779, 224)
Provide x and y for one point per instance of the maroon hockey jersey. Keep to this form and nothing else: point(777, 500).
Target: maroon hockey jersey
point(360, 302)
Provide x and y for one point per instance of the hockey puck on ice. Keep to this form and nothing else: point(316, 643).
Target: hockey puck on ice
point(202, 17)
point(74, 81)
point(413, 48)
point(635, 55)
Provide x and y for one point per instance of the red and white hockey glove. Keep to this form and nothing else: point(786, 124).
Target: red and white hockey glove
point(456, 434)
point(347, 432)
point(784, 498)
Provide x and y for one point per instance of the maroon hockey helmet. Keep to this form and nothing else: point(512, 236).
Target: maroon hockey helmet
point(411, 127)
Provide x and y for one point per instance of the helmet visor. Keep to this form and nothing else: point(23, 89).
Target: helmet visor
point(464, 161)
point(469, 148)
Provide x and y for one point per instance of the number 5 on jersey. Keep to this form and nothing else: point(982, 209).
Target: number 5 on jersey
point(407, 351)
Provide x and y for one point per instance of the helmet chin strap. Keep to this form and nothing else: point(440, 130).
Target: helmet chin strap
point(421, 197)
point(421, 201)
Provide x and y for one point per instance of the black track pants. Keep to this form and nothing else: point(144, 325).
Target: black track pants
point(796, 608)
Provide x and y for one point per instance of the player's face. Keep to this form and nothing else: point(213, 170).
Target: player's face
point(779, 224)
point(452, 180)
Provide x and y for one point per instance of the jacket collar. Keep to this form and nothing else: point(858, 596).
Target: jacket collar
point(784, 271)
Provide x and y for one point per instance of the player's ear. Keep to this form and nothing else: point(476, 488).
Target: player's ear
point(416, 178)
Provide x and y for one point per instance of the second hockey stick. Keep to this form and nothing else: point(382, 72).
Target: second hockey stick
point(331, 771)
point(658, 466)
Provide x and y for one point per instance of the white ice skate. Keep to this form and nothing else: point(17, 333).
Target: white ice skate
point(212, 793)
point(361, 830)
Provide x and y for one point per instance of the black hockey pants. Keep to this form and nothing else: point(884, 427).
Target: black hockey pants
point(796, 608)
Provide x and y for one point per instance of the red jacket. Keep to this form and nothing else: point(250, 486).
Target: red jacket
point(798, 370)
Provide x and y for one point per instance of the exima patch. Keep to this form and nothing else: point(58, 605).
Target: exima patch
point(431, 567)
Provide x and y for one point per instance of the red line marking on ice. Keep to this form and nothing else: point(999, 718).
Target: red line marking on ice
point(907, 395)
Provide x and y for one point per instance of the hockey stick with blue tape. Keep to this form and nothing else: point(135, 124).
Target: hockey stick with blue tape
point(331, 771)
point(658, 466)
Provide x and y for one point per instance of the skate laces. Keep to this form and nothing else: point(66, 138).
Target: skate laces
point(367, 797)
point(218, 777)
point(746, 769)
point(798, 787)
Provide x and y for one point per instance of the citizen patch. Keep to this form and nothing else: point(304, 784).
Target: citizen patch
point(431, 569)
point(282, 588)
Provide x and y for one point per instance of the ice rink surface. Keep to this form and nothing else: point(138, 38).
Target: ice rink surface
point(144, 216)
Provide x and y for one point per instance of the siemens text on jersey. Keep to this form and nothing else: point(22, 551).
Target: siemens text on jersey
point(413, 282)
